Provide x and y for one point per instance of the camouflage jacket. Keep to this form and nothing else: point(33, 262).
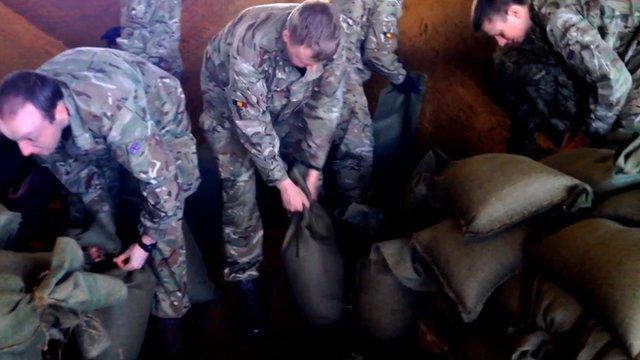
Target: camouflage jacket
point(595, 37)
point(248, 59)
point(371, 28)
point(123, 108)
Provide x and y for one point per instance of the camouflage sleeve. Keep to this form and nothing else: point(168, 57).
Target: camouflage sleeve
point(381, 40)
point(591, 57)
point(247, 93)
point(322, 111)
point(136, 143)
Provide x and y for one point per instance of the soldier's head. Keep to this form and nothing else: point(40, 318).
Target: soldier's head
point(507, 21)
point(32, 112)
point(312, 34)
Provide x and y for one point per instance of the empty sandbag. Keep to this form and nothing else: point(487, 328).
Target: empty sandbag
point(386, 307)
point(492, 192)
point(312, 261)
point(595, 167)
point(623, 208)
point(600, 260)
point(471, 268)
point(9, 224)
point(126, 322)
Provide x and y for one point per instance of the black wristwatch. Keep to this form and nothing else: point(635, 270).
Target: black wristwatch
point(148, 248)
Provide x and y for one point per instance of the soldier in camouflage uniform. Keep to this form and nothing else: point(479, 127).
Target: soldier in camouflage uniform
point(274, 73)
point(597, 39)
point(371, 34)
point(540, 94)
point(151, 30)
point(88, 110)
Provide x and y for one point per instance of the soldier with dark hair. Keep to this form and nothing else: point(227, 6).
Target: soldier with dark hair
point(272, 91)
point(596, 39)
point(87, 111)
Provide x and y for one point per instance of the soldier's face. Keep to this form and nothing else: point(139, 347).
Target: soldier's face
point(300, 55)
point(510, 28)
point(33, 132)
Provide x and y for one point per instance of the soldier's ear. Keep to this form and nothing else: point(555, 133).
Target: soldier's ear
point(516, 11)
point(61, 114)
point(286, 36)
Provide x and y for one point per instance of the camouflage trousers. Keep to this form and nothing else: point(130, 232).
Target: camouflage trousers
point(352, 157)
point(151, 30)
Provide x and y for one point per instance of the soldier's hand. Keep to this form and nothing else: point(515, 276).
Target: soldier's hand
point(132, 259)
point(293, 199)
point(313, 183)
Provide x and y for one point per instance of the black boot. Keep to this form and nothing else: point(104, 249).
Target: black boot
point(169, 333)
point(253, 308)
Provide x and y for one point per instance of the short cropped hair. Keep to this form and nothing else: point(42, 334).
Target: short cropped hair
point(29, 87)
point(314, 24)
point(482, 10)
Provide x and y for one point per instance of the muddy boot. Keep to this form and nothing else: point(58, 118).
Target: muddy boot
point(253, 308)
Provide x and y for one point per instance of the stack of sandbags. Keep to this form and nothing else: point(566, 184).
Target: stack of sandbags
point(495, 199)
point(599, 260)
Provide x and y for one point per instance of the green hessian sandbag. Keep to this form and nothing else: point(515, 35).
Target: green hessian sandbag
point(593, 166)
point(126, 321)
point(470, 269)
point(101, 233)
point(600, 259)
point(313, 263)
point(9, 224)
point(623, 208)
point(199, 288)
point(61, 299)
point(492, 192)
point(386, 307)
point(395, 124)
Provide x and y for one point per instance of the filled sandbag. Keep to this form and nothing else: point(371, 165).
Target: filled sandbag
point(199, 288)
point(623, 208)
point(9, 224)
point(492, 192)
point(419, 197)
point(126, 322)
point(386, 307)
point(470, 268)
point(312, 261)
point(599, 259)
point(595, 167)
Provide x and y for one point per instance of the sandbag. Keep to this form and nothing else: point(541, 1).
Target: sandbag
point(600, 259)
point(623, 208)
point(63, 298)
point(628, 156)
point(199, 288)
point(420, 193)
point(395, 125)
point(386, 307)
point(595, 167)
point(471, 268)
point(492, 192)
point(9, 224)
point(126, 322)
point(312, 262)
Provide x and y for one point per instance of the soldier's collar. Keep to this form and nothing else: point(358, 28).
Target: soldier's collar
point(81, 135)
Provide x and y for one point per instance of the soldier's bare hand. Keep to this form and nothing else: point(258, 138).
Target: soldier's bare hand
point(293, 199)
point(132, 259)
point(313, 183)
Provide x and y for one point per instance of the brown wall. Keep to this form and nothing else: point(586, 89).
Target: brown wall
point(435, 38)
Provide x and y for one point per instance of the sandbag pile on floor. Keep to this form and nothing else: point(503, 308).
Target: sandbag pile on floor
point(44, 295)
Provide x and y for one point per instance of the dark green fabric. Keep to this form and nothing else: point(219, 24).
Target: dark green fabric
point(199, 287)
point(101, 233)
point(395, 126)
point(386, 308)
point(600, 259)
point(60, 300)
point(623, 208)
point(126, 322)
point(593, 166)
point(470, 269)
point(9, 224)
point(312, 261)
point(492, 192)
